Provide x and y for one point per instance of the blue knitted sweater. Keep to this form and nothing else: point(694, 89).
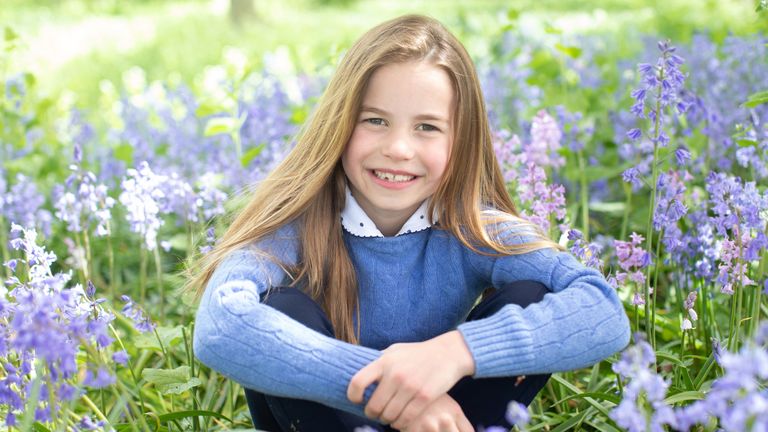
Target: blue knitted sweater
point(412, 287)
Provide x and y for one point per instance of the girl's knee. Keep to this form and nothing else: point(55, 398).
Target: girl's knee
point(300, 307)
point(523, 293)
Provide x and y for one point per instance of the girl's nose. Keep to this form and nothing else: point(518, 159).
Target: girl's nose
point(398, 146)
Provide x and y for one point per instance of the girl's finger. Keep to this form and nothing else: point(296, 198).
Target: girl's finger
point(361, 380)
point(412, 410)
point(394, 409)
point(386, 391)
point(464, 424)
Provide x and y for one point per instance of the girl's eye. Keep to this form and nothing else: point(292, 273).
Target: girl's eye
point(375, 121)
point(427, 128)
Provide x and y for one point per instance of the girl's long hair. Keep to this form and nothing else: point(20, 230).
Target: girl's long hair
point(308, 187)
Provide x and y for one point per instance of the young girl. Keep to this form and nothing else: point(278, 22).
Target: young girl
point(344, 294)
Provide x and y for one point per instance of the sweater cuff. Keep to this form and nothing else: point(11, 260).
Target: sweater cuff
point(498, 341)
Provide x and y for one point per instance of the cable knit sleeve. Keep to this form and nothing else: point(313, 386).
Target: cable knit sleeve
point(580, 322)
point(262, 348)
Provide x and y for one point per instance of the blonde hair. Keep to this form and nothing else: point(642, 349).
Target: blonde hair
point(309, 185)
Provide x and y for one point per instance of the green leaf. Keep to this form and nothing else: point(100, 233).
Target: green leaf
point(699, 380)
point(39, 427)
point(684, 397)
point(299, 114)
point(513, 14)
point(744, 142)
point(171, 381)
point(251, 154)
point(597, 172)
point(670, 358)
point(124, 152)
point(607, 207)
point(756, 99)
point(602, 426)
point(550, 29)
point(10, 35)
point(196, 413)
point(179, 241)
point(575, 390)
point(571, 51)
point(220, 125)
point(208, 108)
point(573, 421)
point(596, 395)
point(169, 336)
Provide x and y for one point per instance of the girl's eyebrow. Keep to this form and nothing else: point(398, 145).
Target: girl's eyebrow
point(426, 116)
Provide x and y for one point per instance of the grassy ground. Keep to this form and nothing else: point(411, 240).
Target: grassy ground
point(74, 44)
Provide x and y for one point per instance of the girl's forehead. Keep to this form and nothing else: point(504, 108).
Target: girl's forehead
point(412, 87)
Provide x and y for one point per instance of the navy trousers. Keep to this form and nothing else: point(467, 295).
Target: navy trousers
point(483, 400)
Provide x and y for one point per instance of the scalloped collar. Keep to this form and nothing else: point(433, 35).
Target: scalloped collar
point(356, 222)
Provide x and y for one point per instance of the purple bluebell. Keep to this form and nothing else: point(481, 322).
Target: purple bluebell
point(587, 253)
point(508, 149)
point(642, 407)
point(120, 357)
point(23, 204)
point(141, 322)
point(542, 149)
point(87, 424)
point(632, 259)
point(737, 399)
point(541, 199)
point(210, 240)
point(45, 322)
point(82, 202)
point(517, 414)
point(508, 91)
point(632, 176)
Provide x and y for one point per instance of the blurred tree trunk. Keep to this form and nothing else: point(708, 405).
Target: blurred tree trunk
point(241, 11)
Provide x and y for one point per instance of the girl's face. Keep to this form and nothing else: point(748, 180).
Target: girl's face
point(401, 142)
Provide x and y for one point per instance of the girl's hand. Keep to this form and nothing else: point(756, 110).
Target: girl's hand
point(411, 376)
point(443, 415)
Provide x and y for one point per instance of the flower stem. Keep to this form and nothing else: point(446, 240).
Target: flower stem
point(142, 406)
point(584, 192)
point(758, 292)
point(93, 407)
point(143, 272)
point(627, 206)
point(159, 275)
point(733, 339)
point(656, 281)
point(4, 246)
point(111, 253)
point(651, 210)
point(88, 260)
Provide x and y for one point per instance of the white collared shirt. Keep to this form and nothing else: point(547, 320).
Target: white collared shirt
point(358, 223)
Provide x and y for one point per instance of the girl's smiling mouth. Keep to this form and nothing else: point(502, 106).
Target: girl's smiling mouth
point(392, 179)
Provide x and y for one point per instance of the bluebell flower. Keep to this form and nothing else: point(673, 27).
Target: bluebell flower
point(46, 322)
point(642, 407)
point(141, 322)
point(632, 176)
point(23, 205)
point(682, 155)
point(120, 357)
point(517, 414)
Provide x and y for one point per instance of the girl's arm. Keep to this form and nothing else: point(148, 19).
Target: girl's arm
point(262, 348)
point(579, 323)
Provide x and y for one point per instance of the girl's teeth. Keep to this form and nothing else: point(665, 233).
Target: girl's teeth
point(392, 177)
